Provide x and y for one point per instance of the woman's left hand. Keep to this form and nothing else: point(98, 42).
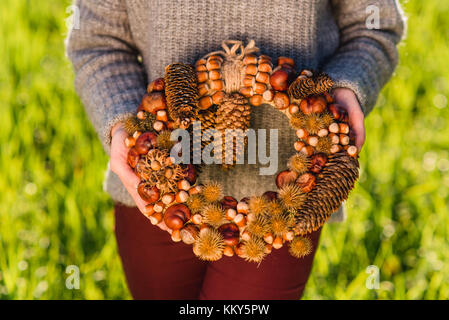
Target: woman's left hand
point(348, 100)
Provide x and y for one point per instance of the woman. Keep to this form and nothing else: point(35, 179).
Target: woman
point(121, 45)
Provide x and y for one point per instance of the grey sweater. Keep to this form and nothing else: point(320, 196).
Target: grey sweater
point(121, 45)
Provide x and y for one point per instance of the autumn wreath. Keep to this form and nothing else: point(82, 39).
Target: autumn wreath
point(219, 91)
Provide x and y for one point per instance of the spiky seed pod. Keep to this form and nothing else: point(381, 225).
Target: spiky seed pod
point(181, 91)
point(334, 183)
point(164, 140)
point(306, 86)
point(313, 123)
point(327, 118)
point(209, 246)
point(133, 124)
point(257, 205)
point(196, 203)
point(324, 145)
point(280, 224)
point(214, 214)
point(299, 163)
point(274, 208)
point(297, 120)
point(212, 191)
point(300, 247)
point(259, 226)
point(232, 114)
point(253, 250)
point(291, 197)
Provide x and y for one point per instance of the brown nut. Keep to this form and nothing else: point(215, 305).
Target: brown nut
point(190, 174)
point(255, 100)
point(176, 216)
point(229, 202)
point(317, 162)
point(279, 80)
point(133, 157)
point(270, 195)
point(145, 142)
point(148, 193)
point(153, 102)
point(281, 100)
point(305, 106)
point(156, 85)
point(189, 233)
point(230, 233)
point(285, 177)
point(317, 103)
point(306, 182)
point(286, 60)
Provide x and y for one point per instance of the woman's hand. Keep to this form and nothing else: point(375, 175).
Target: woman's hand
point(347, 99)
point(119, 165)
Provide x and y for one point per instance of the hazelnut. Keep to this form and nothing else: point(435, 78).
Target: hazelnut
point(228, 251)
point(156, 218)
point(176, 236)
point(278, 243)
point(240, 220)
point(183, 185)
point(268, 95)
point(230, 214)
point(268, 238)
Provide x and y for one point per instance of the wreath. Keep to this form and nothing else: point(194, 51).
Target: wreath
point(220, 90)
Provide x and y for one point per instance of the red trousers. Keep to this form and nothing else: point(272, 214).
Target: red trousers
point(157, 268)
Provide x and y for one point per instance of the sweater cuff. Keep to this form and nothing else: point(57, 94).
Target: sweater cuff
point(351, 72)
point(110, 121)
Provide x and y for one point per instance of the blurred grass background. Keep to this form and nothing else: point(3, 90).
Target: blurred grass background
point(53, 212)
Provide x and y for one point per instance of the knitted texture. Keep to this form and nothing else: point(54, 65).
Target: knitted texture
point(121, 45)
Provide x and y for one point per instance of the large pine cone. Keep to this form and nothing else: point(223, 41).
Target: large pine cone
point(333, 186)
point(234, 112)
point(181, 90)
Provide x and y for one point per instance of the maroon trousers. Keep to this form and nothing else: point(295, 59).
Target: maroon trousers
point(158, 268)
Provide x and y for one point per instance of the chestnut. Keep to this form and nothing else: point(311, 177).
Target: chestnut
point(286, 61)
point(153, 102)
point(133, 157)
point(148, 193)
point(189, 233)
point(190, 174)
point(145, 142)
point(279, 79)
point(176, 216)
point(317, 162)
point(270, 195)
point(317, 103)
point(306, 182)
point(156, 85)
point(229, 202)
point(281, 100)
point(230, 233)
point(285, 177)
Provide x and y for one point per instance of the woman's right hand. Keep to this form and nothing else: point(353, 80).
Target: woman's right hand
point(119, 165)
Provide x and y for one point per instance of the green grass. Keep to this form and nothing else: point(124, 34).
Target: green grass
point(53, 212)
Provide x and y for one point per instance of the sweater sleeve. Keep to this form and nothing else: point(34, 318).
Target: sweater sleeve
point(108, 76)
point(366, 57)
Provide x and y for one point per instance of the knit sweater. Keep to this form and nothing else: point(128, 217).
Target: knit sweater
point(121, 45)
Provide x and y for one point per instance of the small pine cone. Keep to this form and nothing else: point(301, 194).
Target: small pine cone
point(181, 91)
point(333, 186)
point(303, 87)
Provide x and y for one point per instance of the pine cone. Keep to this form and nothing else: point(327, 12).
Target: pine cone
point(303, 87)
point(181, 92)
point(233, 113)
point(333, 186)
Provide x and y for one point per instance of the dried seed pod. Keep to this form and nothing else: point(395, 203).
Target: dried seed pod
point(259, 226)
point(291, 197)
point(214, 215)
point(300, 247)
point(333, 185)
point(212, 191)
point(281, 223)
point(209, 246)
point(253, 250)
point(196, 203)
point(298, 163)
point(257, 205)
point(324, 145)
